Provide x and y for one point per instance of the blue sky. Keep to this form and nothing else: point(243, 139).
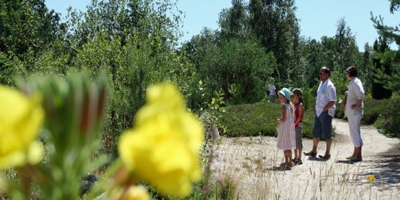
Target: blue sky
point(317, 17)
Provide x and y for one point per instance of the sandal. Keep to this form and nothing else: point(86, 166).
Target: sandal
point(299, 162)
point(326, 157)
point(311, 153)
point(287, 168)
point(355, 159)
point(350, 157)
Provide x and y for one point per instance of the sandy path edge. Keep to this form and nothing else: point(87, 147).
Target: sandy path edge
point(249, 163)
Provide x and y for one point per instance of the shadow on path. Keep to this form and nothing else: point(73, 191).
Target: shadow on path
point(387, 166)
point(278, 168)
point(346, 162)
point(310, 158)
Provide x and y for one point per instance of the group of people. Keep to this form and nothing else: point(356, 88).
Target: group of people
point(290, 123)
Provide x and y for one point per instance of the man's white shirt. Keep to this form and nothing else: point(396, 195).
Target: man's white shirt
point(326, 93)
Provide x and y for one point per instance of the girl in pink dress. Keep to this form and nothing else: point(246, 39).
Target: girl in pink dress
point(286, 134)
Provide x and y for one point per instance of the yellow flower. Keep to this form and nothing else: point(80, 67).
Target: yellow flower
point(20, 120)
point(137, 193)
point(371, 178)
point(132, 193)
point(164, 146)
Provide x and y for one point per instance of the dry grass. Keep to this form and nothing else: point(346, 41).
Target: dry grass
point(250, 163)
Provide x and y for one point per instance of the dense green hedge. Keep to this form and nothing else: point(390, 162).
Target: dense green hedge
point(373, 109)
point(260, 118)
point(257, 119)
point(383, 114)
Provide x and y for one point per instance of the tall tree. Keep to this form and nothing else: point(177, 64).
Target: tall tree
point(234, 21)
point(26, 28)
point(237, 66)
point(345, 54)
point(274, 22)
point(346, 47)
point(389, 34)
point(198, 46)
point(382, 70)
point(314, 61)
point(366, 69)
point(155, 19)
point(25, 25)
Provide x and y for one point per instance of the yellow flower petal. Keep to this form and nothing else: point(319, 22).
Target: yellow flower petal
point(20, 121)
point(132, 193)
point(164, 147)
point(165, 94)
point(371, 178)
point(137, 193)
point(31, 155)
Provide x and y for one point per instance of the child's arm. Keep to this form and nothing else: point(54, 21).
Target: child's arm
point(283, 115)
point(301, 113)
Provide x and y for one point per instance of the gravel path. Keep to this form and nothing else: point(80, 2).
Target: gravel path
point(249, 163)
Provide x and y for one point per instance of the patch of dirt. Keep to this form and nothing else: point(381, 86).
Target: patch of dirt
point(251, 164)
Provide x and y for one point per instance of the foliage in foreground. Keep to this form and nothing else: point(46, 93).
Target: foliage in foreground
point(163, 148)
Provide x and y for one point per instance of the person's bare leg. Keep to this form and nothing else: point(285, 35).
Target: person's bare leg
point(284, 163)
point(288, 158)
point(299, 153)
point(328, 147)
point(358, 152)
point(354, 152)
point(315, 144)
point(313, 152)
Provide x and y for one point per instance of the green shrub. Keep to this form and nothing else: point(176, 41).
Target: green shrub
point(372, 110)
point(383, 114)
point(390, 118)
point(259, 119)
point(339, 112)
point(308, 98)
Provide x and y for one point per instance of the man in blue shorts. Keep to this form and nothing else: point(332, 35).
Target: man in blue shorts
point(324, 110)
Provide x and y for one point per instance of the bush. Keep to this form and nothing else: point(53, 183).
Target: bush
point(394, 124)
point(383, 114)
point(388, 119)
point(373, 109)
point(258, 119)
